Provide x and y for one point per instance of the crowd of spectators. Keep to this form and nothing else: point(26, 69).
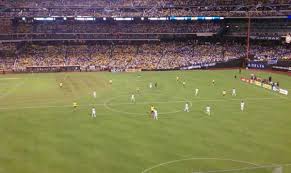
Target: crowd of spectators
point(64, 30)
point(139, 8)
point(260, 28)
point(117, 27)
point(150, 12)
point(148, 56)
point(267, 53)
point(101, 29)
point(7, 55)
point(145, 56)
point(136, 3)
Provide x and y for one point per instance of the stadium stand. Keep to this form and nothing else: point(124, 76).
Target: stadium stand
point(140, 42)
point(107, 8)
point(147, 56)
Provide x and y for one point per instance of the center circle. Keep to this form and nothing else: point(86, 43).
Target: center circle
point(122, 104)
point(202, 165)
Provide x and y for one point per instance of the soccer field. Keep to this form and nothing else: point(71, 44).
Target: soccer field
point(41, 132)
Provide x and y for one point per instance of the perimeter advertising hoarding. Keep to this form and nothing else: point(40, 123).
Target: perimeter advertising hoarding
point(281, 68)
point(133, 70)
point(266, 86)
point(258, 65)
point(276, 89)
point(283, 91)
point(280, 65)
point(258, 83)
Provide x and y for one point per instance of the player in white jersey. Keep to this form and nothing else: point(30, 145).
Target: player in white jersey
point(208, 110)
point(184, 84)
point(213, 82)
point(196, 91)
point(155, 114)
point(93, 113)
point(94, 94)
point(233, 92)
point(132, 99)
point(242, 105)
point(186, 109)
point(151, 85)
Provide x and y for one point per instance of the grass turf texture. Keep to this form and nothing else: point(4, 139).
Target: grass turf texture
point(40, 132)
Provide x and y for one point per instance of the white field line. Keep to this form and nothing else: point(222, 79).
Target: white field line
point(187, 159)
point(237, 169)
point(254, 165)
point(139, 103)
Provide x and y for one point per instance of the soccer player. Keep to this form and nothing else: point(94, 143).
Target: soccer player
point(93, 113)
point(177, 78)
point(208, 110)
point(213, 82)
point(137, 90)
point(242, 105)
point(75, 105)
point(196, 91)
point(155, 114)
point(94, 94)
point(186, 109)
point(156, 84)
point(61, 85)
point(132, 99)
point(152, 110)
point(110, 82)
point(233, 92)
point(151, 85)
point(223, 92)
point(184, 84)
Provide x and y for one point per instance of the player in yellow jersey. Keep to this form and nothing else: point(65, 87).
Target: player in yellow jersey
point(61, 84)
point(75, 105)
point(110, 82)
point(177, 78)
point(223, 92)
point(152, 110)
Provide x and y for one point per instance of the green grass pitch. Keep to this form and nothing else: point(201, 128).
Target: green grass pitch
point(40, 131)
